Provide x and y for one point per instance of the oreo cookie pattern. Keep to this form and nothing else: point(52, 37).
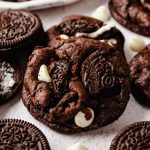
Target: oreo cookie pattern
point(18, 134)
point(133, 14)
point(10, 80)
point(80, 85)
point(135, 136)
point(140, 76)
point(19, 30)
point(72, 25)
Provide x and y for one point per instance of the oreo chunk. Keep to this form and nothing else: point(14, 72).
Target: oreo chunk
point(140, 76)
point(18, 135)
point(71, 25)
point(135, 136)
point(78, 85)
point(19, 31)
point(132, 14)
point(10, 80)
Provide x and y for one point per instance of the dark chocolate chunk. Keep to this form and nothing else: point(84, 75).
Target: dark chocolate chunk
point(140, 76)
point(20, 135)
point(85, 73)
point(135, 136)
point(132, 14)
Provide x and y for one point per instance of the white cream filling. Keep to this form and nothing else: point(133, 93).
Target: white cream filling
point(6, 83)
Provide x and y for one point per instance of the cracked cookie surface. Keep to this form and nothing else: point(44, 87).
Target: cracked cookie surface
point(133, 14)
point(85, 73)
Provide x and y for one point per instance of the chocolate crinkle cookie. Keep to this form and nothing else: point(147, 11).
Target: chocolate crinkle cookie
point(72, 25)
point(140, 76)
point(78, 84)
point(133, 14)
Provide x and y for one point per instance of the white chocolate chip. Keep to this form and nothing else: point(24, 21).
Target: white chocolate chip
point(77, 146)
point(11, 83)
point(43, 74)
point(102, 40)
point(84, 118)
point(63, 37)
point(101, 13)
point(137, 44)
point(112, 42)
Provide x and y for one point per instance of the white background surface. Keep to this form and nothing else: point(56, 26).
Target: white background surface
point(94, 140)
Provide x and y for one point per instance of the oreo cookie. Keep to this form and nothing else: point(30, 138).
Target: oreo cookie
point(132, 14)
point(10, 79)
point(19, 135)
point(19, 31)
point(72, 25)
point(77, 85)
point(135, 136)
point(140, 76)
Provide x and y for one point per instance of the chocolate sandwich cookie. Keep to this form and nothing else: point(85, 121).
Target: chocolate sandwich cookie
point(20, 135)
point(132, 14)
point(140, 76)
point(19, 31)
point(76, 86)
point(72, 25)
point(134, 137)
point(10, 79)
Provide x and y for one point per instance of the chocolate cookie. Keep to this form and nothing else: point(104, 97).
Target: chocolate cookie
point(135, 136)
point(10, 79)
point(133, 14)
point(19, 31)
point(79, 85)
point(20, 135)
point(140, 76)
point(72, 25)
